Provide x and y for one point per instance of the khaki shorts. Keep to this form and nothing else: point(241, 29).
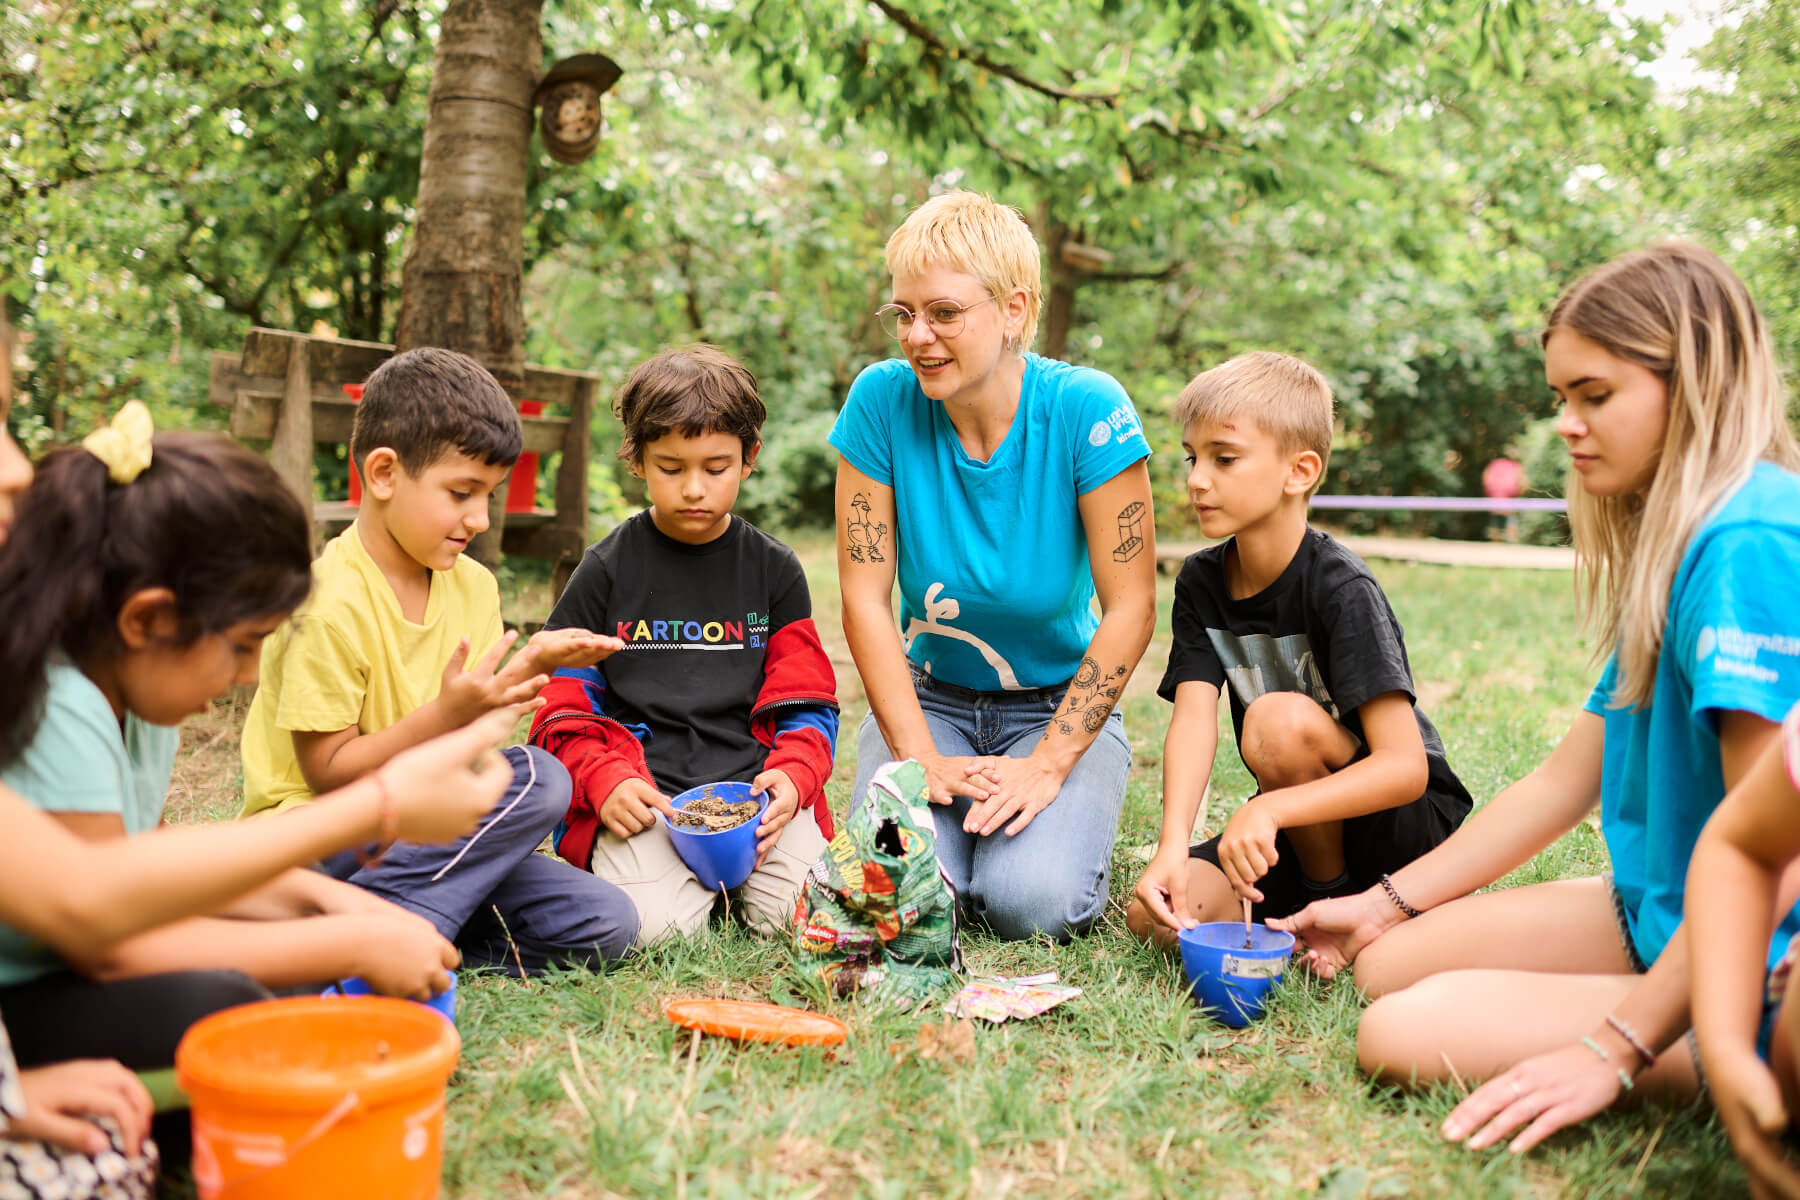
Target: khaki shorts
point(670, 900)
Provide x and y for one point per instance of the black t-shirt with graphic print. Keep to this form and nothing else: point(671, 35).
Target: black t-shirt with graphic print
point(696, 622)
point(1323, 629)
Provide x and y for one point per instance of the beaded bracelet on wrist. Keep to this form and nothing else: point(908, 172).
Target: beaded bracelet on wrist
point(1387, 885)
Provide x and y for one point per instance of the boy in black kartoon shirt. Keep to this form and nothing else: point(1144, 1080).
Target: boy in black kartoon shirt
point(1351, 776)
point(722, 676)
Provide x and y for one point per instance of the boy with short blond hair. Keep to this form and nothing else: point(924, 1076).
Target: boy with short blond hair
point(401, 641)
point(722, 675)
point(1352, 778)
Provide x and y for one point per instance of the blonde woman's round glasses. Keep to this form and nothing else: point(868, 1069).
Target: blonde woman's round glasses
point(944, 318)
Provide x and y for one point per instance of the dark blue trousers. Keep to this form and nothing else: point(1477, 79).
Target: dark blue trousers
point(503, 904)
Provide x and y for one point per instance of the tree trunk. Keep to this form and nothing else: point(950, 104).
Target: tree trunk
point(1059, 311)
point(462, 282)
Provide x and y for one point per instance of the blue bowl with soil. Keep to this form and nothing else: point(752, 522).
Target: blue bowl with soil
point(1230, 979)
point(721, 858)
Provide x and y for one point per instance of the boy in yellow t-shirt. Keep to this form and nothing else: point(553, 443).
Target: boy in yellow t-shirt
point(401, 641)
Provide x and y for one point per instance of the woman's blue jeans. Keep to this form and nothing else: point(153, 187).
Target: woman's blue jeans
point(1052, 878)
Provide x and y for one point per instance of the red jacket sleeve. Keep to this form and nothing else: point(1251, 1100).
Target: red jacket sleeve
point(795, 714)
point(598, 752)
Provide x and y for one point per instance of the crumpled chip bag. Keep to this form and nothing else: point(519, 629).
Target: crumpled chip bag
point(877, 913)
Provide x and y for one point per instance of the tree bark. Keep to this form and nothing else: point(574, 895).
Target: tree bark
point(1059, 311)
point(462, 283)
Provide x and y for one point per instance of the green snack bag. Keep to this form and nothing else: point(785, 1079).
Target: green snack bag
point(878, 913)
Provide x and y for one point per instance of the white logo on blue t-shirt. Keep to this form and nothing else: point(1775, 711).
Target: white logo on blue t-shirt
point(1099, 433)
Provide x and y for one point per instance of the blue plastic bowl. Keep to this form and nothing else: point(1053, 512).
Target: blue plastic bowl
point(444, 1002)
point(1228, 979)
point(726, 858)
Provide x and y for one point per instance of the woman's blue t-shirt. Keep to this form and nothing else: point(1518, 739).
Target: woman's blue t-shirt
point(995, 590)
point(1731, 641)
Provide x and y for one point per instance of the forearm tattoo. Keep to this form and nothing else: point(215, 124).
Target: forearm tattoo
point(866, 537)
point(1090, 698)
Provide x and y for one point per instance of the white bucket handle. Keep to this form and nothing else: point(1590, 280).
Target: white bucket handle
point(321, 1127)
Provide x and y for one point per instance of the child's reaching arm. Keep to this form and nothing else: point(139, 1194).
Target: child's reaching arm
point(1507, 831)
point(1393, 773)
point(331, 759)
point(1731, 911)
point(1188, 748)
point(400, 954)
point(81, 897)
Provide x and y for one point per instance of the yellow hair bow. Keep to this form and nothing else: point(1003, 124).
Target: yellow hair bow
point(124, 445)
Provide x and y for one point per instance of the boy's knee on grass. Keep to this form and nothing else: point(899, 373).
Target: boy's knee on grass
point(1289, 739)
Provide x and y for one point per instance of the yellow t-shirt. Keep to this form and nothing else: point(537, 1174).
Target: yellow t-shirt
point(348, 657)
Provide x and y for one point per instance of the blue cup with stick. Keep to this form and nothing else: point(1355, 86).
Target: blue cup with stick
point(1231, 978)
point(721, 859)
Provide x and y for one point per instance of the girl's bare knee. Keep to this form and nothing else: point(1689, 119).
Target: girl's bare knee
point(1382, 1050)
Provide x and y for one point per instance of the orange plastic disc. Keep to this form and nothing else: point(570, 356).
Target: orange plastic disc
point(752, 1021)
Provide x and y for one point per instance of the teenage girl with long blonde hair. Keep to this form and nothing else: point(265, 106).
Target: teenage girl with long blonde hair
point(1686, 512)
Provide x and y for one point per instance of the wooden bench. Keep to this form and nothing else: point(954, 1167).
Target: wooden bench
point(287, 389)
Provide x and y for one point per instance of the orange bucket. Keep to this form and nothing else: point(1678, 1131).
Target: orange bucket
point(318, 1096)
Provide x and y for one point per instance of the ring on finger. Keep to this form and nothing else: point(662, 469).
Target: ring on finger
point(1518, 1092)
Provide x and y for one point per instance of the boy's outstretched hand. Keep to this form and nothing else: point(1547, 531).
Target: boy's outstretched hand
point(784, 802)
point(467, 694)
point(560, 649)
point(631, 807)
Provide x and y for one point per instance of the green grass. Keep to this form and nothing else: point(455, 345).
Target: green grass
point(576, 1086)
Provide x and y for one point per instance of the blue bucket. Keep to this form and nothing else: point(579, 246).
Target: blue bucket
point(1232, 981)
point(726, 858)
point(444, 1002)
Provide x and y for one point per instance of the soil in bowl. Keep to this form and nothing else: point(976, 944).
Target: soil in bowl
point(714, 814)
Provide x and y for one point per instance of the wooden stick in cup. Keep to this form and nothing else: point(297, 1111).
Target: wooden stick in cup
point(1246, 900)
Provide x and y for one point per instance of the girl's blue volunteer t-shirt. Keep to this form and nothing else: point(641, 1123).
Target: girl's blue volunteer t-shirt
point(1730, 641)
point(995, 590)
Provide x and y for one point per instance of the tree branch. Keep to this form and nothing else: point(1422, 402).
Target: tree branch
point(1171, 271)
point(980, 59)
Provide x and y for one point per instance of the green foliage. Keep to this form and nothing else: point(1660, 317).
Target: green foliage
point(1394, 192)
point(1745, 181)
point(176, 173)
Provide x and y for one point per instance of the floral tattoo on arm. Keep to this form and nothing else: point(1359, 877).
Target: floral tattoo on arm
point(864, 535)
point(1090, 698)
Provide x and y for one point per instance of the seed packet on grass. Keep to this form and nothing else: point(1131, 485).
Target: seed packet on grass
point(1002, 999)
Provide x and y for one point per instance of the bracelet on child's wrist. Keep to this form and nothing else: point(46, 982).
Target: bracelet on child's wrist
point(1618, 1026)
point(387, 823)
point(1597, 1048)
point(1387, 885)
